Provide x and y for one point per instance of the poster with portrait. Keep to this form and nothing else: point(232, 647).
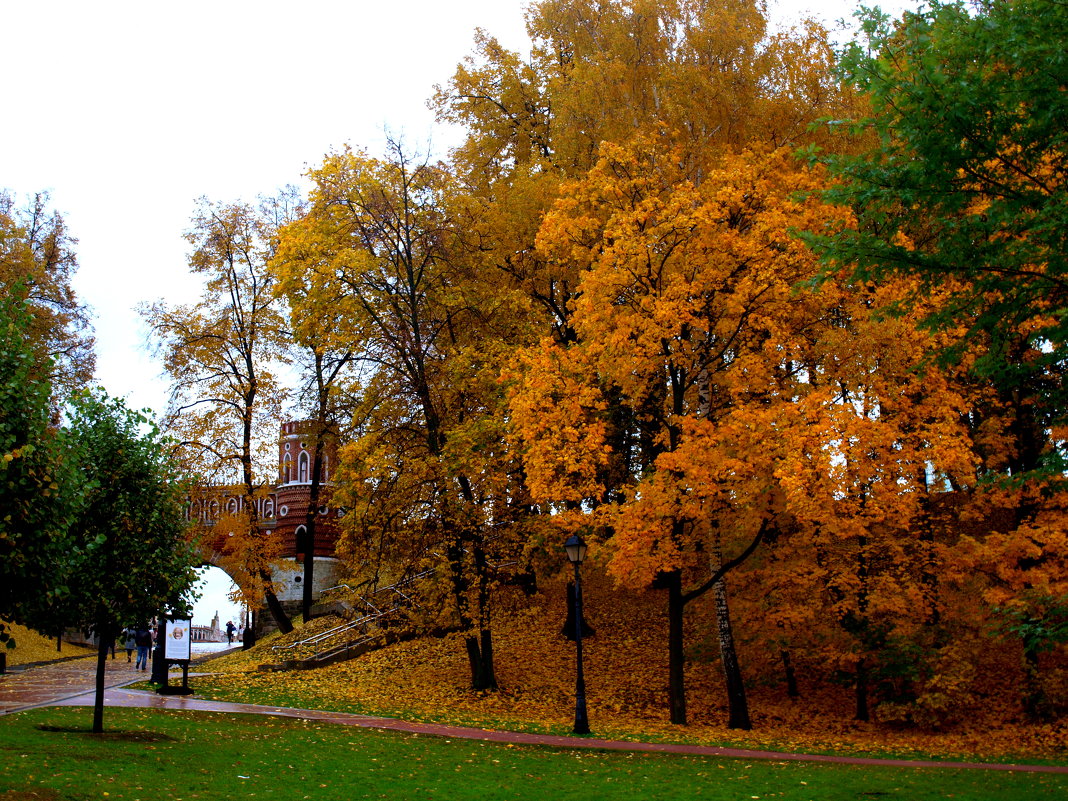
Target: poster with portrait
point(177, 645)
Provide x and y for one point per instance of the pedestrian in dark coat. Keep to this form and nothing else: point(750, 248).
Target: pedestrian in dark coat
point(143, 641)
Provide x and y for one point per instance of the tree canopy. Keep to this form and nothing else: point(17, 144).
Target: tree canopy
point(135, 559)
point(40, 485)
point(819, 403)
point(37, 262)
point(965, 187)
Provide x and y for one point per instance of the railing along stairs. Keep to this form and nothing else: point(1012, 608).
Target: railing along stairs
point(374, 608)
point(374, 611)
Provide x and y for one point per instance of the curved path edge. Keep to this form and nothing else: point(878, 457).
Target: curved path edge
point(121, 697)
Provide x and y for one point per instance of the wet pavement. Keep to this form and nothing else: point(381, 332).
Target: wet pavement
point(72, 684)
point(43, 685)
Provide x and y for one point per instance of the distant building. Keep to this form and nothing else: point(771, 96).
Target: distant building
point(282, 512)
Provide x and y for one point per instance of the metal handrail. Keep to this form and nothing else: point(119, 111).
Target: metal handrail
point(326, 635)
point(367, 618)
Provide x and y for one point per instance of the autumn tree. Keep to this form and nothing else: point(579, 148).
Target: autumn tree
point(700, 80)
point(687, 309)
point(323, 351)
point(380, 242)
point(133, 556)
point(37, 263)
point(880, 439)
point(222, 355)
point(962, 190)
point(40, 486)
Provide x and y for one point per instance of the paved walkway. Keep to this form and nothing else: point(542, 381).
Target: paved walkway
point(45, 684)
point(71, 684)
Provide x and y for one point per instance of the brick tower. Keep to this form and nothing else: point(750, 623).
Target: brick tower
point(296, 452)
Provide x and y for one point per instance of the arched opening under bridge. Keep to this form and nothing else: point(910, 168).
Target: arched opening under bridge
point(214, 608)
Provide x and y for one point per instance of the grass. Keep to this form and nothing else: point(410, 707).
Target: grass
point(271, 690)
point(49, 754)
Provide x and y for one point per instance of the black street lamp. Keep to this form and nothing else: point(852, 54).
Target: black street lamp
point(576, 552)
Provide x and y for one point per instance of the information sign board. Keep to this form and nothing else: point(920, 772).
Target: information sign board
point(177, 645)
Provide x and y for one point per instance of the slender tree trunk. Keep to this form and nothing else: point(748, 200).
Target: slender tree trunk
point(1034, 695)
point(310, 519)
point(487, 675)
point(791, 674)
point(676, 649)
point(474, 660)
point(863, 712)
point(737, 704)
point(104, 634)
point(460, 587)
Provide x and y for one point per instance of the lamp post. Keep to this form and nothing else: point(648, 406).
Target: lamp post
point(575, 547)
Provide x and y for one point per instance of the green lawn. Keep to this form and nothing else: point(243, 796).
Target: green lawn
point(308, 696)
point(49, 754)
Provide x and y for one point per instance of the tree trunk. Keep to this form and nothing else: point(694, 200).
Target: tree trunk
point(489, 675)
point(676, 650)
point(1034, 695)
point(104, 634)
point(862, 691)
point(480, 659)
point(310, 519)
point(791, 674)
point(737, 704)
point(274, 606)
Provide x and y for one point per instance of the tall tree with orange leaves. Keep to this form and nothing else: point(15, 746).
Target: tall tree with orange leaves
point(701, 80)
point(687, 310)
point(963, 190)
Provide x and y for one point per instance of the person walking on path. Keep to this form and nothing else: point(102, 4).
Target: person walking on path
point(230, 629)
point(143, 641)
point(129, 642)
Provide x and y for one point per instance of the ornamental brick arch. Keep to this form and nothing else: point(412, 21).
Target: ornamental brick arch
point(282, 513)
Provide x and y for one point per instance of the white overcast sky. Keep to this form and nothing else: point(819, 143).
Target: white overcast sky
point(127, 112)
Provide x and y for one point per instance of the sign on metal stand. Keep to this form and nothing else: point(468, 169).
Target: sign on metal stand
point(177, 648)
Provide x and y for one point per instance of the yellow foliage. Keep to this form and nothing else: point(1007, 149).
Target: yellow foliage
point(34, 647)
